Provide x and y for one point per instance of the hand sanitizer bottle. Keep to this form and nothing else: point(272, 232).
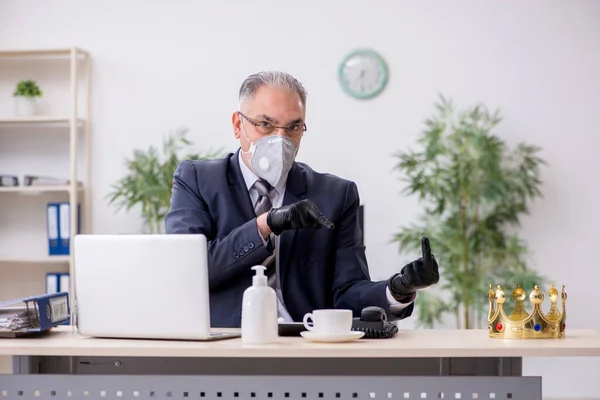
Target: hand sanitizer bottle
point(259, 311)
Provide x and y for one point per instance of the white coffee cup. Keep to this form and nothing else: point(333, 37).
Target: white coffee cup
point(330, 322)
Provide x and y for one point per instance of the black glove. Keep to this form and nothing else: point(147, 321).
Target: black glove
point(303, 214)
point(419, 274)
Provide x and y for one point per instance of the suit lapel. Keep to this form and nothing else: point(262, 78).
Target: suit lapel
point(238, 190)
point(294, 192)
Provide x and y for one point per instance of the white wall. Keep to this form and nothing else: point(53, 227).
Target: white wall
point(160, 65)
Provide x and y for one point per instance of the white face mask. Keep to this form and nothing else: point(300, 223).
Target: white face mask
point(271, 157)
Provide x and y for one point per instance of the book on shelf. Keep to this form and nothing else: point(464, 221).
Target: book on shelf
point(33, 180)
point(57, 282)
point(9, 180)
point(58, 226)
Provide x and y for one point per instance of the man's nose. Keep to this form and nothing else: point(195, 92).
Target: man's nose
point(280, 131)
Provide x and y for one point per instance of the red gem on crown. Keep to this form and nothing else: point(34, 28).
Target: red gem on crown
point(499, 327)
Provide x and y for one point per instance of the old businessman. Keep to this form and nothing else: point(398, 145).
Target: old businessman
point(259, 206)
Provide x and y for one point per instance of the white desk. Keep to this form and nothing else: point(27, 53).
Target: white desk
point(415, 363)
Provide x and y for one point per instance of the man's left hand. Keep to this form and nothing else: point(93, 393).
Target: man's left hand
point(419, 274)
point(302, 214)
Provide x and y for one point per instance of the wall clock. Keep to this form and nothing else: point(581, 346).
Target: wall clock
point(363, 74)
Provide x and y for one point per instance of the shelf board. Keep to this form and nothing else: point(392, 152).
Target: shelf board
point(36, 189)
point(34, 260)
point(60, 52)
point(37, 119)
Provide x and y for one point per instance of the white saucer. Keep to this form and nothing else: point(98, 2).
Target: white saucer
point(332, 338)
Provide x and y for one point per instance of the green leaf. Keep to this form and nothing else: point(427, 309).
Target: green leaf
point(149, 178)
point(473, 190)
point(27, 88)
point(430, 310)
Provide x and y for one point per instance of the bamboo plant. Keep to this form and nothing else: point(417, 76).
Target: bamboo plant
point(473, 189)
point(149, 179)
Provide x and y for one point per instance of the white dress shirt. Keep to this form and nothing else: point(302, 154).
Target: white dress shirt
point(277, 200)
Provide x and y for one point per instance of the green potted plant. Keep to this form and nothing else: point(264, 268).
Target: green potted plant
point(26, 94)
point(473, 190)
point(149, 179)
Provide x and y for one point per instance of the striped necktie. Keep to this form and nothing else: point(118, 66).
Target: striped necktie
point(263, 204)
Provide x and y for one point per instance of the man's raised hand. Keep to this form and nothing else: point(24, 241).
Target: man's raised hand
point(419, 274)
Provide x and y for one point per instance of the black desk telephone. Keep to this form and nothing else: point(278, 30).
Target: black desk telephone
point(373, 322)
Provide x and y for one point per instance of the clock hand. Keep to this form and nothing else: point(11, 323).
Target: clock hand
point(362, 80)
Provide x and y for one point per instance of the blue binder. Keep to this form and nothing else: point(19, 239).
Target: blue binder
point(52, 283)
point(58, 223)
point(64, 282)
point(52, 229)
point(35, 314)
point(58, 282)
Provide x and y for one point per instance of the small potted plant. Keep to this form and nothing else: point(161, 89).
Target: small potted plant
point(27, 94)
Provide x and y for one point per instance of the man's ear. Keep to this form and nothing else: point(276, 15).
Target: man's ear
point(236, 121)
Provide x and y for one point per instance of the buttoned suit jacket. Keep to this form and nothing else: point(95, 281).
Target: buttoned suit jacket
point(321, 269)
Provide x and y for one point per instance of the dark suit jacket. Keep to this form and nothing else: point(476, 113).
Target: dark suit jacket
point(324, 269)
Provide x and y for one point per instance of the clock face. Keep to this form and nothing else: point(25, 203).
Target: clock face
point(363, 74)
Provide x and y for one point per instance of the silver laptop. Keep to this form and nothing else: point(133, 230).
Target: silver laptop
point(143, 286)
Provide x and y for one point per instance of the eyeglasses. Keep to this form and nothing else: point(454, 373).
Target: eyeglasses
point(266, 127)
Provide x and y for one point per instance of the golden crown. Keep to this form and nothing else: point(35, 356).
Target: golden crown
point(521, 324)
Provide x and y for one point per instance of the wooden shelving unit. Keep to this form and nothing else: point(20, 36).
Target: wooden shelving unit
point(37, 53)
point(76, 126)
point(34, 260)
point(37, 119)
point(37, 189)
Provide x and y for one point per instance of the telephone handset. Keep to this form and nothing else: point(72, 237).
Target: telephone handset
point(373, 322)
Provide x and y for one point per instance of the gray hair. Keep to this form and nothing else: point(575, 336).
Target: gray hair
point(273, 79)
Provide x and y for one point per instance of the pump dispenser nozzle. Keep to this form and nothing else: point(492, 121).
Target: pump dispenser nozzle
point(259, 279)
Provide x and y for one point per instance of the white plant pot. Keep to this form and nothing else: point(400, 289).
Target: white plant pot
point(26, 106)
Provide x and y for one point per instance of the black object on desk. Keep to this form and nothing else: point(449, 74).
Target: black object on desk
point(291, 328)
point(373, 322)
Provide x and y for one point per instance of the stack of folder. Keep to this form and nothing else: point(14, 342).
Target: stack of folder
point(30, 315)
point(33, 180)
